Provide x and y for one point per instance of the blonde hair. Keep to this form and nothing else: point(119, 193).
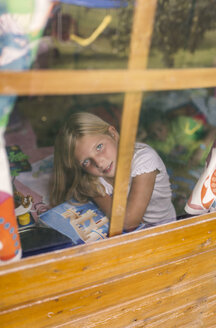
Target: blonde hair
point(69, 179)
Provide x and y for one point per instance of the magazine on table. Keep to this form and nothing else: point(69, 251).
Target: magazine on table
point(82, 223)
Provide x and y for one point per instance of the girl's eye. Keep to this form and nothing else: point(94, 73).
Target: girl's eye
point(99, 147)
point(85, 163)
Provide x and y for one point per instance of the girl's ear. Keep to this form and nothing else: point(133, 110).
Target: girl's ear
point(113, 132)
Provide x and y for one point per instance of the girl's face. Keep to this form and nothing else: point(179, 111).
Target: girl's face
point(97, 154)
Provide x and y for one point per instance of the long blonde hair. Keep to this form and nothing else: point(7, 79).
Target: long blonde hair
point(69, 179)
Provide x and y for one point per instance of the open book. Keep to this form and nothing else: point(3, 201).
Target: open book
point(82, 223)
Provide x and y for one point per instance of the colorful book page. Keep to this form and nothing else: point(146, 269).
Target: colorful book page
point(83, 223)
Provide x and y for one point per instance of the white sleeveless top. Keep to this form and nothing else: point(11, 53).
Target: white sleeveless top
point(160, 209)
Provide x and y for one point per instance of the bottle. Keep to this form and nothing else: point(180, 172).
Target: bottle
point(10, 247)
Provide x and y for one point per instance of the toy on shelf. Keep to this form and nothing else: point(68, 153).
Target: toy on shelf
point(23, 205)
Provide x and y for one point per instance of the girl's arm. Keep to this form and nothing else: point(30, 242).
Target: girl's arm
point(105, 204)
point(138, 199)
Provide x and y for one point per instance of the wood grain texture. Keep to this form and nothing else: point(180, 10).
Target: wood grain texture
point(129, 121)
point(104, 81)
point(160, 277)
point(143, 20)
point(144, 278)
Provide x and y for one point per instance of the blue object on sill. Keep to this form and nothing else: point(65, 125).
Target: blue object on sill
point(38, 239)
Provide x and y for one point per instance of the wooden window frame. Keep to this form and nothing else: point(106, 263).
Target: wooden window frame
point(132, 81)
point(160, 277)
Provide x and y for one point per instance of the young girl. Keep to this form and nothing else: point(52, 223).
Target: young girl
point(85, 160)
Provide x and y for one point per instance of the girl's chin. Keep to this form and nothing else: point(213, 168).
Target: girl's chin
point(111, 174)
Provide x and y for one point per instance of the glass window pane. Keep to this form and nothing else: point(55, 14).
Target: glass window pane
point(181, 127)
point(29, 137)
point(86, 37)
point(184, 34)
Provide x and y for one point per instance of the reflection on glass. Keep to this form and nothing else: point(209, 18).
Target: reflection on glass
point(181, 127)
point(95, 34)
point(45, 114)
point(184, 34)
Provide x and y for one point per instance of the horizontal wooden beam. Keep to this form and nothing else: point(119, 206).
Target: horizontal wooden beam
point(144, 275)
point(64, 82)
point(82, 265)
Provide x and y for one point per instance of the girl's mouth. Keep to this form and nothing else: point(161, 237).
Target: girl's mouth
point(108, 169)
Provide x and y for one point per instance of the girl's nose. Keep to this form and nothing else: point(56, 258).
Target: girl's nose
point(99, 163)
